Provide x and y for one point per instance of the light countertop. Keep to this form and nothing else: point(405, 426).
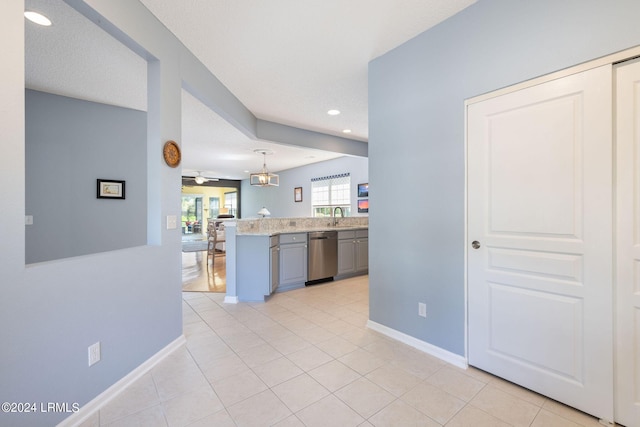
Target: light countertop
point(275, 226)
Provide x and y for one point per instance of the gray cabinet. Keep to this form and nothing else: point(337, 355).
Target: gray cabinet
point(353, 252)
point(274, 260)
point(346, 252)
point(362, 252)
point(293, 260)
point(268, 264)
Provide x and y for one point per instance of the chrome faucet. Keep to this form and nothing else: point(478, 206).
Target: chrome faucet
point(335, 218)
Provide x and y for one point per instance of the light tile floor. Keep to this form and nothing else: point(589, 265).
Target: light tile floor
point(306, 358)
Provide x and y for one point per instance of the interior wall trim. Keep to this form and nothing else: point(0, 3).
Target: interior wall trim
point(112, 392)
point(430, 349)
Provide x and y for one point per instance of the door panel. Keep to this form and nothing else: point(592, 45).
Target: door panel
point(628, 244)
point(536, 170)
point(556, 318)
point(567, 267)
point(539, 204)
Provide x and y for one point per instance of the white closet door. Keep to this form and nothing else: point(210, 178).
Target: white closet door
point(628, 244)
point(540, 209)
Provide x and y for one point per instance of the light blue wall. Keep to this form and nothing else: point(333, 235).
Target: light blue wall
point(279, 200)
point(128, 299)
point(416, 140)
point(69, 144)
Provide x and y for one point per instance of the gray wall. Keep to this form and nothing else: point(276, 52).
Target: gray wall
point(279, 200)
point(416, 140)
point(69, 144)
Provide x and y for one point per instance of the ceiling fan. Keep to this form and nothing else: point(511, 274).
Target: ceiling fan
point(199, 178)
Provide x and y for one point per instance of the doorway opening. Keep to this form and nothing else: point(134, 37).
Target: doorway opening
point(205, 208)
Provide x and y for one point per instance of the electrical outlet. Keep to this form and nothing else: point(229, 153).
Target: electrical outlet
point(94, 353)
point(28, 220)
point(422, 309)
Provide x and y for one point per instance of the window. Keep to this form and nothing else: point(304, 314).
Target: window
point(231, 202)
point(214, 207)
point(191, 213)
point(330, 192)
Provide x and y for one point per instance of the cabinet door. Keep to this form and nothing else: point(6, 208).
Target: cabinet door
point(362, 254)
point(293, 263)
point(346, 256)
point(274, 258)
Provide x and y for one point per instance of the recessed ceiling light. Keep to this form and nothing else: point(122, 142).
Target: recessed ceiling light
point(346, 131)
point(333, 112)
point(37, 18)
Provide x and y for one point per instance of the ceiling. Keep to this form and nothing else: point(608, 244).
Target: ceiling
point(287, 61)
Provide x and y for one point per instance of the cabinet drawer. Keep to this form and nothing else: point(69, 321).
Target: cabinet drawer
point(350, 234)
point(361, 234)
point(293, 238)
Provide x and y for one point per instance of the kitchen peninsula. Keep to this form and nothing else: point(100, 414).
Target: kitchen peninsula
point(273, 254)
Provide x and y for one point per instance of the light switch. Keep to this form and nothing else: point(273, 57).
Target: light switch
point(172, 222)
point(28, 220)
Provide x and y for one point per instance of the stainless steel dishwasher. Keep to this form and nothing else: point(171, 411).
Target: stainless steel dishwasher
point(323, 255)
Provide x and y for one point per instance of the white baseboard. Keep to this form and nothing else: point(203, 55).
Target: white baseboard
point(106, 396)
point(230, 300)
point(430, 349)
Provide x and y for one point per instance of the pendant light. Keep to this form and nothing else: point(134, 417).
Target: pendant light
point(264, 178)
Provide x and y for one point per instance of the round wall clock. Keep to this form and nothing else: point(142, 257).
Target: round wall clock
point(171, 153)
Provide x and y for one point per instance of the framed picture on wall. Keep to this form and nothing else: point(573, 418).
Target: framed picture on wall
point(297, 194)
point(363, 206)
point(110, 189)
point(363, 190)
